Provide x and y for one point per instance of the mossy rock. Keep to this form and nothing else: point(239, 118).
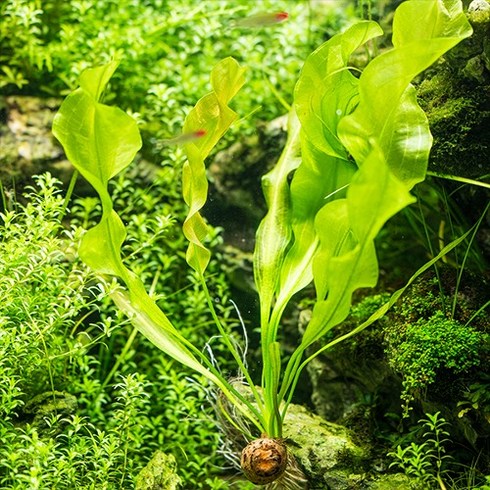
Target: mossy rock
point(159, 474)
point(327, 452)
point(459, 117)
point(397, 481)
point(456, 98)
point(28, 146)
point(43, 407)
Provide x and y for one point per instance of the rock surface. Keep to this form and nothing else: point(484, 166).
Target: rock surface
point(159, 474)
point(28, 146)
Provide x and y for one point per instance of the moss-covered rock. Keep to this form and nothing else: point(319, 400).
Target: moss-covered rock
point(46, 405)
point(326, 451)
point(28, 147)
point(159, 474)
point(396, 481)
point(456, 97)
point(459, 117)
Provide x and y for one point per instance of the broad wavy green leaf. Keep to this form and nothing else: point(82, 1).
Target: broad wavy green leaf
point(213, 115)
point(347, 261)
point(361, 155)
point(274, 232)
point(422, 32)
point(101, 141)
point(325, 92)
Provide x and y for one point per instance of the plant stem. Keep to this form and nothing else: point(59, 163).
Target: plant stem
point(229, 344)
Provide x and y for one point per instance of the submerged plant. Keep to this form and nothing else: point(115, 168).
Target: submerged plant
point(355, 149)
point(425, 461)
point(425, 347)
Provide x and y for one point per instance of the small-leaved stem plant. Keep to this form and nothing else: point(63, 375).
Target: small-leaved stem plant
point(425, 461)
point(355, 149)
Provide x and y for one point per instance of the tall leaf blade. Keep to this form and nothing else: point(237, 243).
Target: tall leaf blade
point(274, 232)
point(213, 115)
point(100, 141)
point(325, 92)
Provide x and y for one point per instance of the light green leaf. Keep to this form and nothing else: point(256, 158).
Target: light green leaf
point(423, 21)
point(212, 115)
point(94, 80)
point(100, 247)
point(155, 326)
point(422, 32)
point(346, 258)
point(101, 141)
point(326, 91)
point(274, 231)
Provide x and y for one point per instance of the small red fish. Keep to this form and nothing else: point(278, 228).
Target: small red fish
point(184, 138)
point(262, 19)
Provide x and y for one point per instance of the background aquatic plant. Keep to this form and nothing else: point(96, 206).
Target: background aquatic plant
point(43, 296)
point(362, 151)
point(427, 461)
point(69, 364)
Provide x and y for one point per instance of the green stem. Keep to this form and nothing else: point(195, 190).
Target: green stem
point(229, 344)
point(120, 358)
point(69, 192)
point(464, 180)
point(461, 270)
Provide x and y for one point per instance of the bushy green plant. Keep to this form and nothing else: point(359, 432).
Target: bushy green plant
point(82, 454)
point(43, 295)
point(48, 346)
point(165, 47)
point(426, 460)
point(21, 37)
point(425, 348)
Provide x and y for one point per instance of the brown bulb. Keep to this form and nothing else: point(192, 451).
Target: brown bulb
point(264, 460)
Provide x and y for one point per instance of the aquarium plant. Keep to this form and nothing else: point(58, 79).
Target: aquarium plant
point(357, 144)
point(425, 461)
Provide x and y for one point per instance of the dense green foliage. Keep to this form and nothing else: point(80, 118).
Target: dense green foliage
point(42, 289)
point(50, 348)
point(361, 149)
point(166, 48)
point(426, 460)
point(352, 135)
point(428, 346)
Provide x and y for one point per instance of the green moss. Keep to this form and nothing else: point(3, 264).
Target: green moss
point(426, 347)
point(159, 473)
point(459, 115)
